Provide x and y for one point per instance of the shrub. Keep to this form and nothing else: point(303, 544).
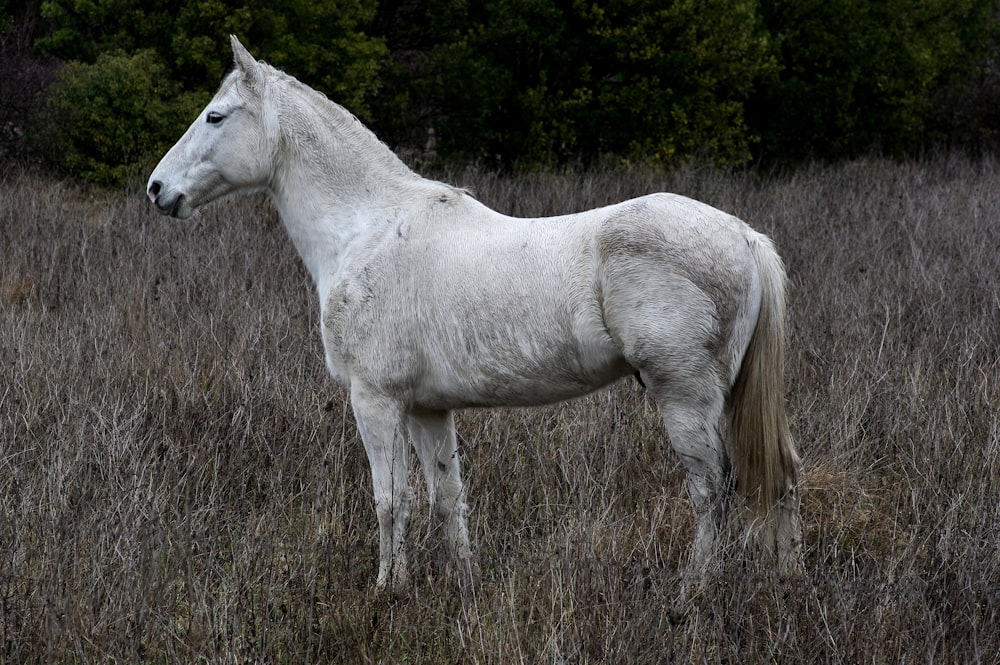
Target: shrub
point(104, 121)
point(536, 81)
point(324, 43)
point(139, 71)
point(23, 75)
point(857, 75)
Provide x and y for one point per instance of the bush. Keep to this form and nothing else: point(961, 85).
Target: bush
point(23, 75)
point(106, 120)
point(541, 81)
point(857, 75)
point(140, 71)
point(325, 42)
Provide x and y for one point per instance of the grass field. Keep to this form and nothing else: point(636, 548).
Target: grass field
point(180, 481)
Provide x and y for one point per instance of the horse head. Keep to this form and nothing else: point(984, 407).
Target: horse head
point(229, 148)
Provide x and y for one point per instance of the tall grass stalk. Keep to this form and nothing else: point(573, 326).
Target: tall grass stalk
point(180, 480)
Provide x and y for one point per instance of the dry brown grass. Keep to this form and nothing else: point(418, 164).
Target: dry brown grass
point(180, 481)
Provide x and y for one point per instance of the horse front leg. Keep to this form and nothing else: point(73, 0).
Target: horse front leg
point(433, 436)
point(381, 423)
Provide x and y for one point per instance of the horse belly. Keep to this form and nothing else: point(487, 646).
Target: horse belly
point(518, 366)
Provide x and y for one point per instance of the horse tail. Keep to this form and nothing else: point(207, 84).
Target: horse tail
point(764, 458)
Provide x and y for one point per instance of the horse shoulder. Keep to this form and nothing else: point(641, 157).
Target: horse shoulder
point(370, 319)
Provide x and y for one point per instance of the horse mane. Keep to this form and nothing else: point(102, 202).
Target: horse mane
point(347, 125)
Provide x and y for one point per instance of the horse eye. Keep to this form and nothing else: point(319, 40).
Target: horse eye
point(214, 117)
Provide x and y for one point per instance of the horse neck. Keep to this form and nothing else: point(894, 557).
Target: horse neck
point(332, 177)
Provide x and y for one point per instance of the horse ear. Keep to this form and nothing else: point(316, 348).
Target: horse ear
point(242, 59)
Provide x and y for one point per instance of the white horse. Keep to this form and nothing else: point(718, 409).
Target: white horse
point(432, 302)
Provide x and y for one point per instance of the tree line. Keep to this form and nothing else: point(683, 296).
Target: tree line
point(100, 87)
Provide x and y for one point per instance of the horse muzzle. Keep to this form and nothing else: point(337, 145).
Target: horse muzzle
point(165, 202)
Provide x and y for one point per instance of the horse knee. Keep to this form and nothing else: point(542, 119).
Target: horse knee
point(448, 491)
point(449, 508)
point(393, 507)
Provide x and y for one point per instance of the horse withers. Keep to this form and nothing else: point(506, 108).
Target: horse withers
point(432, 302)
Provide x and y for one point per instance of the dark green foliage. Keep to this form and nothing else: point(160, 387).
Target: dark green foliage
point(103, 121)
point(538, 81)
point(185, 50)
point(671, 81)
point(528, 83)
point(23, 74)
point(324, 42)
point(542, 81)
point(858, 75)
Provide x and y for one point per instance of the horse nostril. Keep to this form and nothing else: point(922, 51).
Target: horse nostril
point(154, 188)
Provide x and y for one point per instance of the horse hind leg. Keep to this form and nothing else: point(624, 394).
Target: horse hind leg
point(433, 437)
point(693, 415)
